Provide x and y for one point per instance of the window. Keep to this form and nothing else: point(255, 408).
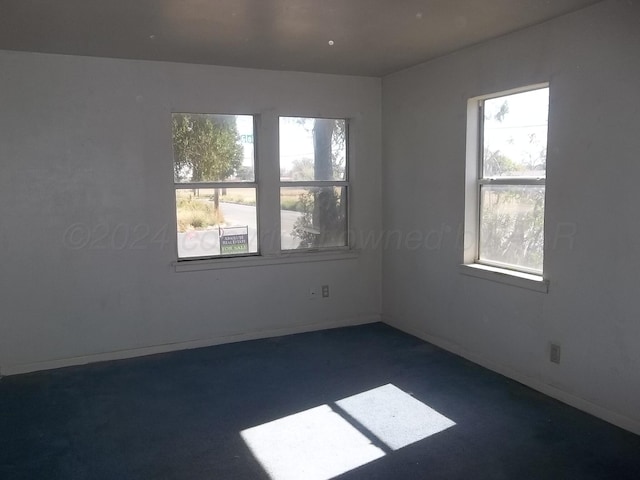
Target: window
point(215, 185)
point(313, 183)
point(506, 171)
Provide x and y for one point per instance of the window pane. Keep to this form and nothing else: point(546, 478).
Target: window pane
point(515, 134)
point(216, 221)
point(212, 148)
point(312, 149)
point(512, 225)
point(313, 217)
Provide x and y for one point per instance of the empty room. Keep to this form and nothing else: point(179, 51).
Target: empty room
point(313, 240)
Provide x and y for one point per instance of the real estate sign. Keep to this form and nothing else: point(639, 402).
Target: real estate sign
point(234, 240)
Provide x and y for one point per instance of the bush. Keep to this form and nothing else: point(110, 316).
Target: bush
point(289, 203)
point(194, 213)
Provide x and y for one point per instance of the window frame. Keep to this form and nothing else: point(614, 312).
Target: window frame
point(474, 181)
point(219, 185)
point(346, 184)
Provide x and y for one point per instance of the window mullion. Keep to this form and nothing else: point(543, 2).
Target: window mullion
point(512, 181)
point(203, 185)
point(316, 183)
point(268, 179)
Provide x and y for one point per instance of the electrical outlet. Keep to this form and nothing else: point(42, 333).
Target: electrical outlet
point(314, 292)
point(325, 291)
point(554, 354)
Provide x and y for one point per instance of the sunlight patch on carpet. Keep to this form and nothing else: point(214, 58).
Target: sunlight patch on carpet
point(317, 444)
point(394, 416)
point(324, 442)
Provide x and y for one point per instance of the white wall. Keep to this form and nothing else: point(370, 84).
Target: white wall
point(592, 61)
point(88, 141)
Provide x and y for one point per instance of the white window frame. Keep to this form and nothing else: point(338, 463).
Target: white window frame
point(220, 185)
point(474, 180)
point(267, 184)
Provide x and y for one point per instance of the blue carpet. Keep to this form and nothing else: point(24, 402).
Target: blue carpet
point(180, 415)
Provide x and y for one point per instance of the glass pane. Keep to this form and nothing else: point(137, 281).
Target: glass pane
point(312, 149)
point(313, 217)
point(212, 148)
point(216, 221)
point(512, 225)
point(515, 135)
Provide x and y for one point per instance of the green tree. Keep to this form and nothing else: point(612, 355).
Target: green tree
point(496, 164)
point(302, 169)
point(206, 148)
point(244, 173)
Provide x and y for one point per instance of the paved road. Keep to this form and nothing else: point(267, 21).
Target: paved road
point(287, 219)
point(207, 242)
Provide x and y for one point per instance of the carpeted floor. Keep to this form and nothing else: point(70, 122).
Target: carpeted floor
point(365, 402)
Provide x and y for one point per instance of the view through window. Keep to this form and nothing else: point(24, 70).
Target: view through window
point(511, 180)
point(215, 185)
point(313, 183)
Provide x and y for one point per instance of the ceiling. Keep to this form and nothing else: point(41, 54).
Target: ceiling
point(353, 37)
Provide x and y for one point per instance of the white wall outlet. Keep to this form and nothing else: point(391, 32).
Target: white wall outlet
point(325, 291)
point(554, 354)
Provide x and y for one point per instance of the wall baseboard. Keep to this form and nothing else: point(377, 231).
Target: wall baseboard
point(617, 419)
point(172, 347)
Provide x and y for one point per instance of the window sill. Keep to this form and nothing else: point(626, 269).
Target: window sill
point(263, 260)
point(508, 277)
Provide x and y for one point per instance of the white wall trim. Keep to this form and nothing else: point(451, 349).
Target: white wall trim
point(249, 261)
point(617, 419)
point(172, 347)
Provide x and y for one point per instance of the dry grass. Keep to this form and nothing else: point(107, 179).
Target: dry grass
point(290, 198)
point(196, 212)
